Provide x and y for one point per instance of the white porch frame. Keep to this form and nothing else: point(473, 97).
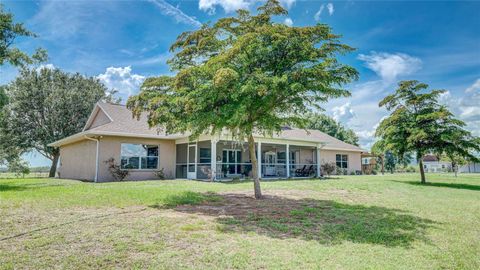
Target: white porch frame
point(259, 141)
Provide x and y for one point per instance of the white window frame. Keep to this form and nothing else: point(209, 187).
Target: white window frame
point(341, 160)
point(140, 158)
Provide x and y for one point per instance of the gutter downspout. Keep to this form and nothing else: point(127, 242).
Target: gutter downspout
point(96, 156)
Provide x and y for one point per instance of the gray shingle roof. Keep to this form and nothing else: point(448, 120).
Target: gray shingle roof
point(123, 122)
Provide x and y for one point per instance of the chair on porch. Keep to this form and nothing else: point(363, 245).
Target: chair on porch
point(310, 172)
point(299, 172)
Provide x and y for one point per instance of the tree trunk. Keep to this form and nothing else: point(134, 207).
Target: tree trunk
point(53, 168)
point(422, 172)
point(253, 158)
point(383, 164)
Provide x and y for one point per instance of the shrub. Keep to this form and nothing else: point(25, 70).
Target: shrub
point(341, 171)
point(115, 170)
point(160, 174)
point(411, 169)
point(328, 168)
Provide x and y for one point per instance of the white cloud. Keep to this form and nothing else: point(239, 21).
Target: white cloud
point(288, 22)
point(319, 12)
point(74, 18)
point(465, 107)
point(367, 137)
point(390, 66)
point(65, 20)
point(287, 3)
point(343, 113)
point(330, 9)
point(474, 87)
point(47, 66)
point(176, 13)
point(469, 107)
point(122, 79)
point(227, 5)
point(233, 5)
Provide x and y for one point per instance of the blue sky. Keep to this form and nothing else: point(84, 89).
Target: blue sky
point(123, 42)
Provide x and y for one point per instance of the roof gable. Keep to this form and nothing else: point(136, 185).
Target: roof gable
point(98, 117)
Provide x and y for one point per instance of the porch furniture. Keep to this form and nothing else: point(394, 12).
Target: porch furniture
point(299, 172)
point(310, 172)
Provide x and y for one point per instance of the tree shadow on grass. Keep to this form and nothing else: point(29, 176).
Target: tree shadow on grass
point(279, 180)
point(6, 187)
point(22, 187)
point(324, 221)
point(447, 185)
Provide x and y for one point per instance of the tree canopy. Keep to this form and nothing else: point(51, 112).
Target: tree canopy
point(9, 31)
point(45, 106)
point(246, 74)
point(419, 124)
point(333, 128)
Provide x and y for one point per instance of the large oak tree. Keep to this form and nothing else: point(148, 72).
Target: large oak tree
point(45, 106)
point(419, 124)
point(10, 31)
point(248, 75)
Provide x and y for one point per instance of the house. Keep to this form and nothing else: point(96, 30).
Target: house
point(369, 161)
point(111, 132)
point(432, 164)
point(470, 167)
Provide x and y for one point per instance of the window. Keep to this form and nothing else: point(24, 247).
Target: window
point(139, 156)
point(205, 155)
point(231, 159)
point(342, 161)
point(282, 157)
point(293, 157)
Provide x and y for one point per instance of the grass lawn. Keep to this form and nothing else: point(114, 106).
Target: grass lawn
point(350, 222)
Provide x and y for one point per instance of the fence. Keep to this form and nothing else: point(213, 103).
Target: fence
point(9, 175)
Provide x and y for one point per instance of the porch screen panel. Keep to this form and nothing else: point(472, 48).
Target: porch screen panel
point(181, 167)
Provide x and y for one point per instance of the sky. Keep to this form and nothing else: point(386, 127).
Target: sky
point(124, 42)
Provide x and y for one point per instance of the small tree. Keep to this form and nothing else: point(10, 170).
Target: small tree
point(455, 160)
point(116, 170)
point(419, 124)
point(246, 75)
point(390, 161)
point(45, 106)
point(378, 149)
point(19, 167)
point(328, 168)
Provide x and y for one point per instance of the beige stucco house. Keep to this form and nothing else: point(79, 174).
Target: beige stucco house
point(111, 132)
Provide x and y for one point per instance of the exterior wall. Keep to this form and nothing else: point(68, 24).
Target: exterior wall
point(307, 156)
point(228, 145)
point(354, 159)
point(470, 168)
point(100, 119)
point(111, 147)
point(437, 166)
point(77, 160)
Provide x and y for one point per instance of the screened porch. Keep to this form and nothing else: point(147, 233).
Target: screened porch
point(217, 160)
